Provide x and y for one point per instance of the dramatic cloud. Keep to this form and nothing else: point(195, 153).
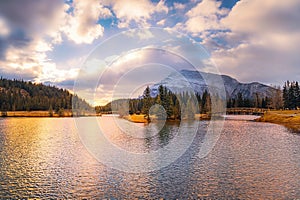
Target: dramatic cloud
point(261, 44)
point(47, 41)
point(23, 48)
point(31, 29)
point(251, 46)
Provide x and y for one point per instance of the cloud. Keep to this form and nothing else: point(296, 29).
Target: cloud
point(179, 6)
point(23, 50)
point(34, 17)
point(254, 36)
point(141, 34)
point(138, 11)
point(260, 44)
point(281, 16)
point(26, 22)
point(23, 57)
point(32, 29)
point(161, 22)
point(205, 16)
point(253, 41)
point(30, 62)
point(4, 29)
point(120, 75)
point(82, 23)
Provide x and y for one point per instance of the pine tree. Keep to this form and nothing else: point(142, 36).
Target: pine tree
point(50, 111)
point(146, 102)
point(285, 95)
point(20, 95)
point(296, 95)
point(240, 100)
point(176, 110)
point(203, 102)
point(291, 93)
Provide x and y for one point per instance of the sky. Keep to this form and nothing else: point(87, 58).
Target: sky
point(49, 41)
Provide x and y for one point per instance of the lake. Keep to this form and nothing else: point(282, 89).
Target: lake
point(45, 158)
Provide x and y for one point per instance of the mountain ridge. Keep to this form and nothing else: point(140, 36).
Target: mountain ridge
point(194, 81)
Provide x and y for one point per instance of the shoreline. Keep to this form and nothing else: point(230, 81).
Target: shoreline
point(287, 118)
point(68, 113)
point(135, 118)
point(140, 118)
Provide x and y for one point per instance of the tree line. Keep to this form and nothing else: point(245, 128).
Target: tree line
point(175, 106)
point(291, 95)
point(286, 98)
point(255, 102)
point(19, 95)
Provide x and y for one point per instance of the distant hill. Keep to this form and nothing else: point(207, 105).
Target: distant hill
point(178, 87)
point(186, 80)
point(19, 95)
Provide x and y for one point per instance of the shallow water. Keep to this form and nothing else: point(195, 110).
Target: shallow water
point(44, 158)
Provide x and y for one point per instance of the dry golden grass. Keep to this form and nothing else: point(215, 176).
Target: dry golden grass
point(27, 114)
point(288, 118)
point(141, 118)
point(136, 118)
point(202, 116)
point(35, 114)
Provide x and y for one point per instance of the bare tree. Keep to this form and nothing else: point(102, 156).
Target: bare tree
point(277, 99)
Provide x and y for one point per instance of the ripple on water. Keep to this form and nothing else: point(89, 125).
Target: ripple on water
point(44, 158)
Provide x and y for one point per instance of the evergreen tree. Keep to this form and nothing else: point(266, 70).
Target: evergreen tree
point(203, 102)
point(296, 102)
point(240, 100)
point(291, 95)
point(146, 102)
point(206, 102)
point(16, 95)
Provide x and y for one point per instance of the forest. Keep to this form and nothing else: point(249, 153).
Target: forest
point(19, 95)
point(288, 98)
point(291, 95)
point(184, 104)
point(168, 100)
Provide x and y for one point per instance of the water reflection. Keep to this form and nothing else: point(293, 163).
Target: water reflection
point(165, 135)
point(44, 158)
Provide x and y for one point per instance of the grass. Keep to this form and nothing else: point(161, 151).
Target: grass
point(288, 118)
point(140, 118)
point(202, 116)
point(65, 113)
point(35, 114)
point(136, 118)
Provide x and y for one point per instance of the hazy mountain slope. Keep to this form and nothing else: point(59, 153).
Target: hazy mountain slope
point(188, 80)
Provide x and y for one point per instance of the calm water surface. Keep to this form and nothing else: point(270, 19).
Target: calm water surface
point(44, 158)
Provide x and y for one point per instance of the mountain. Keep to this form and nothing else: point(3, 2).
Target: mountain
point(19, 95)
point(187, 80)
